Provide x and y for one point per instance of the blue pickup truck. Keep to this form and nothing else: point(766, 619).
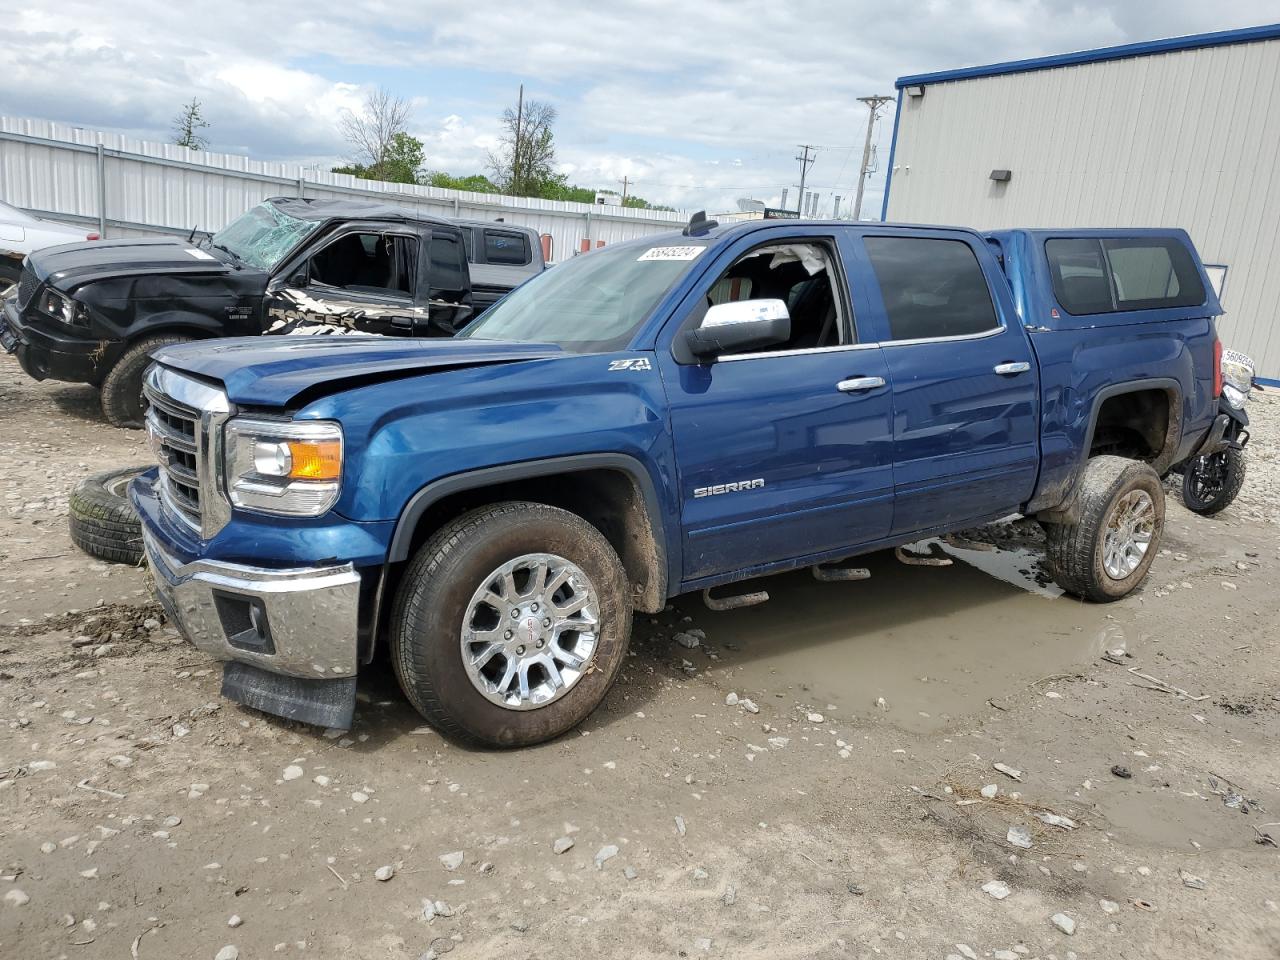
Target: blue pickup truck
point(663, 416)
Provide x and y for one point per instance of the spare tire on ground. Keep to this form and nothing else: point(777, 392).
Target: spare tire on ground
point(103, 521)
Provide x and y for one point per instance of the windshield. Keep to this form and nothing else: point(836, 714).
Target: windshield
point(594, 303)
point(263, 236)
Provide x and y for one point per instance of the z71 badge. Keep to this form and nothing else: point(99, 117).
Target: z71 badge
point(719, 488)
point(638, 363)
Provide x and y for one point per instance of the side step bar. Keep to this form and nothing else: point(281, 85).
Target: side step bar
point(721, 604)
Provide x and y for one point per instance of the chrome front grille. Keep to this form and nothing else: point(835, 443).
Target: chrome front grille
point(27, 286)
point(173, 430)
point(184, 426)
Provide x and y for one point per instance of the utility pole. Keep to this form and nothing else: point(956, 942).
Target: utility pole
point(515, 155)
point(873, 107)
point(805, 162)
point(625, 183)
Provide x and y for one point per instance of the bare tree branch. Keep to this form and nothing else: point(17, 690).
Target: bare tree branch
point(524, 163)
point(373, 131)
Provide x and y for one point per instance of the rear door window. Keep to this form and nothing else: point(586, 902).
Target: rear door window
point(932, 288)
point(506, 248)
point(1115, 274)
point(447, 270)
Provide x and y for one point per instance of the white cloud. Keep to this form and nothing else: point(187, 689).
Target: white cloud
point(698, 103)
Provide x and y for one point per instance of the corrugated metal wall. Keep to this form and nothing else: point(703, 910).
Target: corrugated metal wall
point(1188, 139)
point(51, 168)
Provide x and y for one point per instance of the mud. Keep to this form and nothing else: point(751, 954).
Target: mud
point(139, 812)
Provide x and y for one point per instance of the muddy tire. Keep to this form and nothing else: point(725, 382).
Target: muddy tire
point(1108, 552)
point(498, 606)
point(122, 399)
point(102, 520)
point(1209, 488)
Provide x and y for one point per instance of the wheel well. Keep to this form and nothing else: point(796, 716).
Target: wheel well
point(1140, 425)
point(608, 499)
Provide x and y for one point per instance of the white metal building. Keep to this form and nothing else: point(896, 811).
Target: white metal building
point(1180, 133)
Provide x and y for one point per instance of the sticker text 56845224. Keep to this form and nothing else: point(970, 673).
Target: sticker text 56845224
point(670, 253)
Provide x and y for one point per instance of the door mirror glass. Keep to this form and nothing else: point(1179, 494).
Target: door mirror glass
point(739, 325)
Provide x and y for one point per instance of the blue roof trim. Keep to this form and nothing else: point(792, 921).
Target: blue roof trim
point(893, 148)
point(1197, 41)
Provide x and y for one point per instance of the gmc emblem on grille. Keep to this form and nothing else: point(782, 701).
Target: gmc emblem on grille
point(740, 487)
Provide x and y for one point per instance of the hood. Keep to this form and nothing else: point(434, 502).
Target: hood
point(68, 265)
point(280, 371)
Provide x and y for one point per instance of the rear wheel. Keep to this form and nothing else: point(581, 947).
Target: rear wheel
point(511, 624)
point(1108, 552)
point(1209, 484)
point(122, 399)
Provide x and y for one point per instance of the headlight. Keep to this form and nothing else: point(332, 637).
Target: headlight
point(61, 307)
point(1237, 377)
point(284, 467)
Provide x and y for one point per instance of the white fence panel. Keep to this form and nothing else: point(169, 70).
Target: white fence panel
point(135, 186)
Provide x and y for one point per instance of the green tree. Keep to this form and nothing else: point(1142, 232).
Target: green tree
point(187, 126)
point(476, 183)
point(384, 150)
point(401, 162)
point(524, 164)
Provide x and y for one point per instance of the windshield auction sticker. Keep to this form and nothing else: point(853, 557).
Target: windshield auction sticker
point(670, 253)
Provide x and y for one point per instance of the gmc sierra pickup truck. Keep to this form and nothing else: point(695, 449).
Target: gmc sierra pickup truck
point(657, 417)
point(94, 312)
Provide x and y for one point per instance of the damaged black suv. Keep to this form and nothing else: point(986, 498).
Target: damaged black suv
point(94, 312)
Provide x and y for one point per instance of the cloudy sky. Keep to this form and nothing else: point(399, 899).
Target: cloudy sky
point(697, 103)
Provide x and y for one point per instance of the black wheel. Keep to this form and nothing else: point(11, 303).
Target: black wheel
point(511, 624)
point(102, 520)
point(122, 399)
point(1108, 552)
point(1210, 484)
point(10, 274)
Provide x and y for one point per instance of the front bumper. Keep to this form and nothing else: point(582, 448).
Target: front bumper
point(300, 622)
point(48, 356)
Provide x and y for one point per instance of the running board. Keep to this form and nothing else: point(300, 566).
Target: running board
point(838, 574)
point(916, 560)
point(720, 604)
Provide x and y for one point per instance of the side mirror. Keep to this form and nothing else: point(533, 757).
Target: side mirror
point(740, 324)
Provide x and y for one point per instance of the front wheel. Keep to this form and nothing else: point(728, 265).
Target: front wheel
point(122, 399)
point(1107, 553)
point(511, 624)
point(10, 274)
point(1210, 484)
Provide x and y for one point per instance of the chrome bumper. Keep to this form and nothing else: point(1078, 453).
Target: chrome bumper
point(296, 622)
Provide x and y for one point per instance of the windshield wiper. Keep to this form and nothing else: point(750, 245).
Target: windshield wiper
point(226, 249)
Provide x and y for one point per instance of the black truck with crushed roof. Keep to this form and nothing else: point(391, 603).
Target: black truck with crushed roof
point(93, 313)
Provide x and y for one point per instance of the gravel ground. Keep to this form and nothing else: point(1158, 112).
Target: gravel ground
point(828, 775)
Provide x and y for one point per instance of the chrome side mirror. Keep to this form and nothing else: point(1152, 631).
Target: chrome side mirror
point(738, 325)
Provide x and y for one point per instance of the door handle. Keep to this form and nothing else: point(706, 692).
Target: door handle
point(854, 384)
point(1008, 369)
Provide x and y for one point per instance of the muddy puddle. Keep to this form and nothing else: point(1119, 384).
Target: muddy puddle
point(935, 642)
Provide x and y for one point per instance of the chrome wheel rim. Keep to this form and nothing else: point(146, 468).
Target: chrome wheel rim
point(1130, 530)
point(6, 289)
point(530, 631)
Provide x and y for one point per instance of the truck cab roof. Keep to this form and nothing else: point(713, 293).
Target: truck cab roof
point(321, 210)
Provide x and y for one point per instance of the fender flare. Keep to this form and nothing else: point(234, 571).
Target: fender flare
point(1066, 511)
point(437, 490)
point(1173, 435)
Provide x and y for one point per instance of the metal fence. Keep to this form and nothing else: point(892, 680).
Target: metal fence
point(124, 186)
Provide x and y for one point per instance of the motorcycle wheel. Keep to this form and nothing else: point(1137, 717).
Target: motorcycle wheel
point(1210, 484)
